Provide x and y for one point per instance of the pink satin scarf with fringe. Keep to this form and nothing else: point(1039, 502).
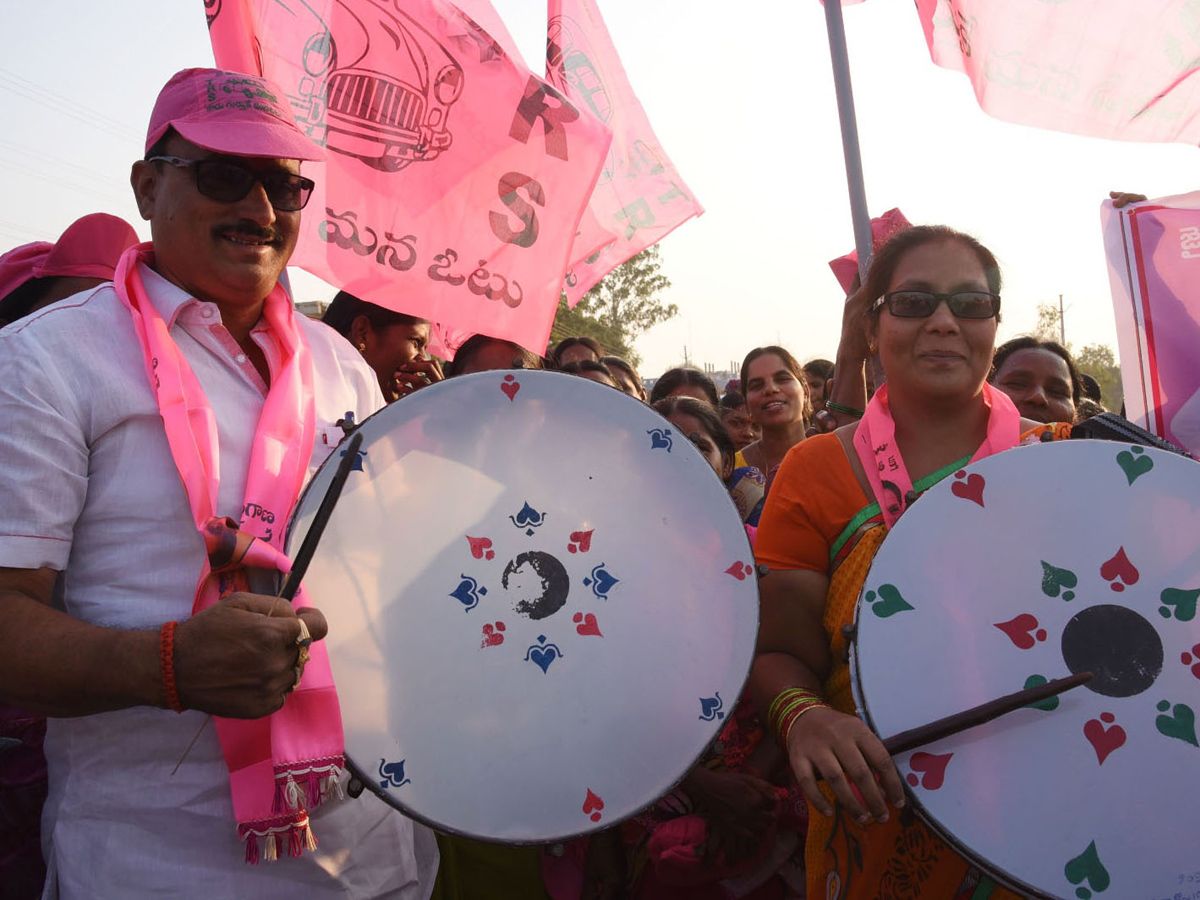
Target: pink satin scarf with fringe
point(281, 765)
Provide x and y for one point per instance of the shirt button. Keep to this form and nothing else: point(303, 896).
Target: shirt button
point(207, 312)
point(241, 357)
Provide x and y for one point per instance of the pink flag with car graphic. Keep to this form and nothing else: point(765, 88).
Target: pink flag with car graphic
point(1103, 68)
point(455, 178)
point(640, 198)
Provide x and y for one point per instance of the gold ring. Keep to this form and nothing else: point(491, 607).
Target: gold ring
point(303, 639)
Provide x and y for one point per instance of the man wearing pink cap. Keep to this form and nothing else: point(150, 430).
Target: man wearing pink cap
point(163, 427)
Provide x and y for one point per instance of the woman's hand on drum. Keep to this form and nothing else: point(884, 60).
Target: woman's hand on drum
point(824, 743)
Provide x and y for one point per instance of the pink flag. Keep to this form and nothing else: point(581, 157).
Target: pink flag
point(1153, 252)
point(456, 178)
point(882, 228)
point(640, 198)
point(1120, 69)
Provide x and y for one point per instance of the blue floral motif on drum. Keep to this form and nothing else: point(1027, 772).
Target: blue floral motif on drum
point(542, 654)
point(391, 775)
point(600, 582)
point(468, 592)
point(528, 518)
point(660, 439)
point(710, 708)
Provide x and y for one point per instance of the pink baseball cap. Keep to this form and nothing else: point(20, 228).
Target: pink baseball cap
point(227, 112)
point(89, 248)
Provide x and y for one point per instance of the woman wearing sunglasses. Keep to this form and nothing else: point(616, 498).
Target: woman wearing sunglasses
point(934, 304)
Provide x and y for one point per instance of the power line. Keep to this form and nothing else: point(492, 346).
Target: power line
point(60, 103)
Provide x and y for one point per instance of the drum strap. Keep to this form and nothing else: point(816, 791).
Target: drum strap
point(873, 512)
point(279, 765)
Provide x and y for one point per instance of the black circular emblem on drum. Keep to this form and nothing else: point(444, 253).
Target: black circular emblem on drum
point(538, 584)
point(1117, 645)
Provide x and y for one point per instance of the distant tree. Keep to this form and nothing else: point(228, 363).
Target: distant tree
point(1049, 323)
point(1099, 361)
point(624, 305)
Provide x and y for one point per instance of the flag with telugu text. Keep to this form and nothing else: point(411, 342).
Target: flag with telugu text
point(1120, 69)
point(1153, 252)
point(640, 198)
point(455, 178)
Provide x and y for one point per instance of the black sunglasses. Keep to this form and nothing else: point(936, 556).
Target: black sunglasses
point(920, 304)
point(228, 182)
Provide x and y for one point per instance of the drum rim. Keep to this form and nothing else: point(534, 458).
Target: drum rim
point(362, 775)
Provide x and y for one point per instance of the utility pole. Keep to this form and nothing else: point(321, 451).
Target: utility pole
point(1062, 322)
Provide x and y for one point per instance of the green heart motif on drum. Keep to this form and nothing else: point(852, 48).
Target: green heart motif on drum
point(1088, 872)
point(887, 602)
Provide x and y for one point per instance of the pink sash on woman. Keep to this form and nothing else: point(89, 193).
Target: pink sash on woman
point(280, 765)
point(875, 442)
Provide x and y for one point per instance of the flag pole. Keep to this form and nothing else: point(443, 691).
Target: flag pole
point(850, 148)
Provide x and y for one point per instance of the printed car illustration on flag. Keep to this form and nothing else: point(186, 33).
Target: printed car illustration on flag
point(380, 89)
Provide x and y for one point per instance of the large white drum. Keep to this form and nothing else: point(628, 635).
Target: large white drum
point(1029, 566)
point(541, 604)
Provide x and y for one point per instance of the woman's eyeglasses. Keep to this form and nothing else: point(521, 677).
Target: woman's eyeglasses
point(228, 182)
point(920, 304)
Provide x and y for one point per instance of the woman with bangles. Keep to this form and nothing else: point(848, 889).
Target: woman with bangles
point(932, 305)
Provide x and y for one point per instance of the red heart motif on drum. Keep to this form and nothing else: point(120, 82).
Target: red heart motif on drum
point(970, 488)
point(739, 570)
point(592, 806)
point(932, 769)
point(1021, 631)
point(481, 547)
point(1119, 571)
point(586, 624)
point(492, 636)
point(1104, 740)
point(510, 386)
point(581, 541)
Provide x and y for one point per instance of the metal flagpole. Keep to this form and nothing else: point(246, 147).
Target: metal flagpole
point(850, 148)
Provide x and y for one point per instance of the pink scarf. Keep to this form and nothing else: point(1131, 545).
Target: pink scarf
point(282, 764)
point(875, 442)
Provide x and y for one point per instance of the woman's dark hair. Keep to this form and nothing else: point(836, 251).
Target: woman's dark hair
point(732, 400)
point(581, 341)
point(521, 358)
point(1027, 342)
point(615, 363)
point(345, 308)
point(707, 416)
point(887, 259)
point(792, 366)
point(822, 368)
point(673, 379)
point(582, 366)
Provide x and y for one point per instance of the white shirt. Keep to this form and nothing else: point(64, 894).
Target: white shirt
point(88, 487)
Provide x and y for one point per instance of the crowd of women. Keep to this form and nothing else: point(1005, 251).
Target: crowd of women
point(796, 796)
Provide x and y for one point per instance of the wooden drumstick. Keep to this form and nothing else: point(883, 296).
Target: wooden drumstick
point(305, 554)
point(977, 715)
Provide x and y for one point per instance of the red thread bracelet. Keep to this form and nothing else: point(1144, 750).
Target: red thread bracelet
point(166, 655)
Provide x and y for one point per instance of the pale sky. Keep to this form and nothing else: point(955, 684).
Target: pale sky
point(741, 97)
